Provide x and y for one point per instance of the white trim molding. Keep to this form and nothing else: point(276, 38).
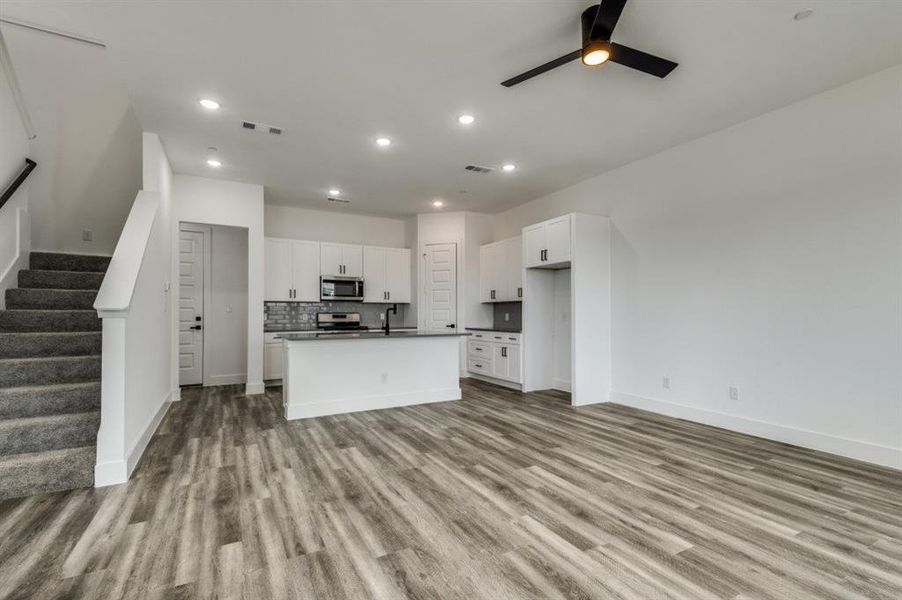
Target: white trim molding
point(118, 471)
point(865, 451)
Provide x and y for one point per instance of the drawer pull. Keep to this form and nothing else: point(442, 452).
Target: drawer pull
point(478, 366)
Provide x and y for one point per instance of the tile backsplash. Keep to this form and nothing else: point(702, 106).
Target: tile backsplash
point(287, 316)
point(514, 313)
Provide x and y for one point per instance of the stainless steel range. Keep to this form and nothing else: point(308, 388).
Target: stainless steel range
point(328, 321)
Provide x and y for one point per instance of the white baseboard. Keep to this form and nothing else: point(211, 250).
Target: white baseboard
point(501, 382)
point(337, 407)
point(115, 472)
point(252, 389)
point(873, 453)
point(232, 379)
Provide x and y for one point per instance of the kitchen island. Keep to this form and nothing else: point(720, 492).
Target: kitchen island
point(335, 373)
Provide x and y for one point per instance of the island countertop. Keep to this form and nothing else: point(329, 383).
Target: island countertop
point(373, 334)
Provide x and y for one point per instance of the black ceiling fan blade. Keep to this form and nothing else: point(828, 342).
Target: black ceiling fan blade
point(641, 61)
point(606, 19)
point(563, 60)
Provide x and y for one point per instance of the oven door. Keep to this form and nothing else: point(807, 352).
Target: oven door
point(339, 288)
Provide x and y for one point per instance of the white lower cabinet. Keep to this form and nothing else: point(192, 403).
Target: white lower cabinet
point(495, 354)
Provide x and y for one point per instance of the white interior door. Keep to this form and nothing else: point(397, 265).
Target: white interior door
point(440, 286)
point(191, 307)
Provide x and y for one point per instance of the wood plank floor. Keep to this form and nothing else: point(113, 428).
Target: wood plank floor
point(500, 495)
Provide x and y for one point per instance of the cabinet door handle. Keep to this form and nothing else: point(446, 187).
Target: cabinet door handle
point(504, 351)
point(388, 295)
point(519, 292)
point(479, 366)
point(493, 294)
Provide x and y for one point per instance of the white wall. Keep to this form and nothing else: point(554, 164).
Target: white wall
point(134, 302)
point(325, 226)
point(561, 330)
point(765, 256)
point(218, 202)
point(88, 144)
point(14, 229)
point(225, 327)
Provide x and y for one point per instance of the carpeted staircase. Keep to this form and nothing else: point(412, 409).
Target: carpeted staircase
point(50, 342)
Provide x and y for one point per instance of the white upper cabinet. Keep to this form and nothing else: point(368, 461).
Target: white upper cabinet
point(277, 269)
point(557, 240)
point(290, 270)
point(305, 270)
point(500, 271)
point(547, 243)
point(397, 274)
point(345, 260)
point(386, 274)
point(513, 265)
point(352, 259)
point(374, 281)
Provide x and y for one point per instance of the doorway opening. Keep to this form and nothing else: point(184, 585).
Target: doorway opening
point(212, 306)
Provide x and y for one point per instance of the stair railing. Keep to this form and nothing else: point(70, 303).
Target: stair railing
point(18, 181)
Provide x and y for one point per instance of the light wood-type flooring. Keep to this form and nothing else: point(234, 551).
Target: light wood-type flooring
point(499, 495)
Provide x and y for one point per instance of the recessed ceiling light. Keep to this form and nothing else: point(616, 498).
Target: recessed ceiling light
point(508, 167)
point(466, 119)
point(209, 104)
point(803, 14)
point(383, 141)
point(214, 163)
point(334, 192)
point(438, 203)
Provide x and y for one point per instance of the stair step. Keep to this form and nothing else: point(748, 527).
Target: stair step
point(20, 372)
point(60, 280)
point(40, 472)
point(50, 299)
point(46, 400)
point(53, 432)
point(40, 344)
point(21, 320)
point(52, 261)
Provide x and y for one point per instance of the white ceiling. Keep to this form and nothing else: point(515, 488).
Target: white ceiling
point(335, 75)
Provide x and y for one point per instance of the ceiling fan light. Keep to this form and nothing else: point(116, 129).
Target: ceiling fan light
point(596, 53)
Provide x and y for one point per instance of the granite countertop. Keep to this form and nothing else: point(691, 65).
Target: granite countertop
point(378, 334)
point(492, 329)
point(292, 328)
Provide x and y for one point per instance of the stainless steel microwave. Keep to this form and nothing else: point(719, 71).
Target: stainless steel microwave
point(348, 289)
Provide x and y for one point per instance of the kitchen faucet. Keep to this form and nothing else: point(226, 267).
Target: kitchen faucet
point(393, 309)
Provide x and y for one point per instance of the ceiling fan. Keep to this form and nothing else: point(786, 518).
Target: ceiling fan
point(598, 24)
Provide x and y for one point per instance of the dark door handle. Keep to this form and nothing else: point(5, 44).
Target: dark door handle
point(451, 325)
point(196, 327)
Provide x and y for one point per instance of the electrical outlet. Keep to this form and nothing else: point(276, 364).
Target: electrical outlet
point(665, 382)
point(507, 316)
point(734, 393)
point(382, 316)
point(87, 235)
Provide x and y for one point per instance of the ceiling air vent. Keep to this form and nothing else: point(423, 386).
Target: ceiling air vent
point(338, 200)
point(479, 169)
point(261, 128)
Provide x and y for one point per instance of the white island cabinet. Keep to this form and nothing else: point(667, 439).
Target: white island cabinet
point(336, 373)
